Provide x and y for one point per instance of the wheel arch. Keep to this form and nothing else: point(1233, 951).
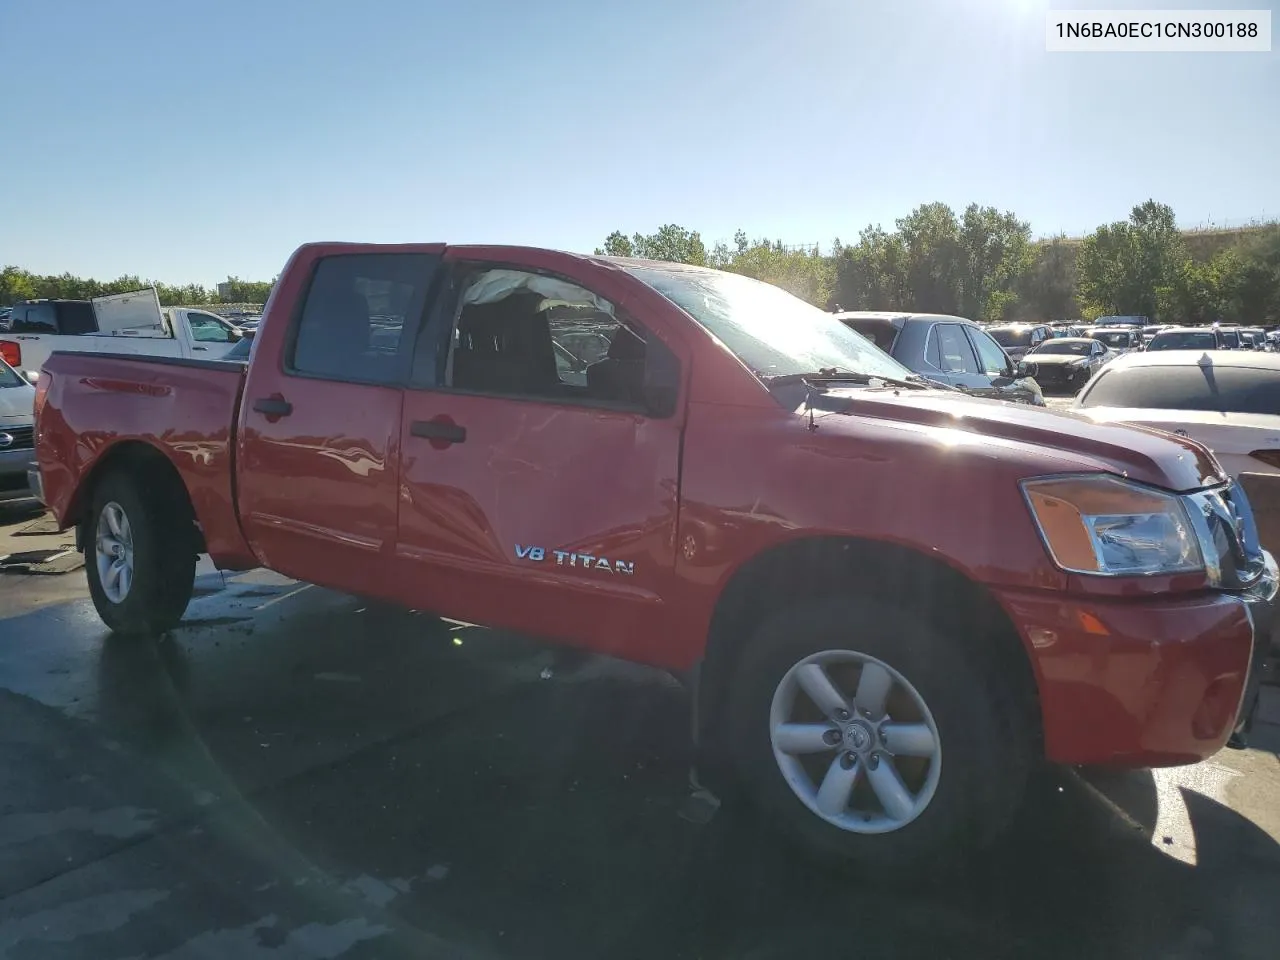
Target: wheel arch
point(144, 461)
point(811, 568)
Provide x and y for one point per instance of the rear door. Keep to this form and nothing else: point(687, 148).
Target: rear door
point(539, 487)
point(948, 350)
point(319, 435)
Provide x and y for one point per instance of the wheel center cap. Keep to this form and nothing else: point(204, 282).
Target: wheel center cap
point(858, 736)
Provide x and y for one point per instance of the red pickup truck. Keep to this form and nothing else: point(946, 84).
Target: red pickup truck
point(862, 575)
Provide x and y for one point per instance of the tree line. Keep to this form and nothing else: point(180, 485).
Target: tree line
point(17, 285)
point(983, 264)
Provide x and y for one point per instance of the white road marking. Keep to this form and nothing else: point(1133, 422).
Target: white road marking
point(283, 596)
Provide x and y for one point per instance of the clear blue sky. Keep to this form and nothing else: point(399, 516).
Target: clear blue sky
point(185, 142)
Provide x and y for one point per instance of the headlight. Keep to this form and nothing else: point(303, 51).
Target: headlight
point(1104, 525)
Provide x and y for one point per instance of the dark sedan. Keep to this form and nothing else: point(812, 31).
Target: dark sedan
point(1066, 365)
point(949, 350)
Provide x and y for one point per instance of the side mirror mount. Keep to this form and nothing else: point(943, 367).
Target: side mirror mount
point(660, 399)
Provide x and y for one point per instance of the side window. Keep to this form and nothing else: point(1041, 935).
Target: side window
point(931, 352)
point(956, 354)
point(991, 358)
point(360, 314)
point(34, 318)
point(529, 335)
point(206, 328)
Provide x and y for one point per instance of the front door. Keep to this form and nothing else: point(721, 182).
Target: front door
point(318, 449)
point(539, 487)
point(996, 367)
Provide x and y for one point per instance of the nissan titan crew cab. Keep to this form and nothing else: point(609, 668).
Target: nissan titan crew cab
point(890, 600)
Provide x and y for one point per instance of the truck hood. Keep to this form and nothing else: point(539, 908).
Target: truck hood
point(1054, 440)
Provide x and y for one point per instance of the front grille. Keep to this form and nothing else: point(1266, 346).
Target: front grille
point(20, 438)
point(1228, 525)
point(12, 481)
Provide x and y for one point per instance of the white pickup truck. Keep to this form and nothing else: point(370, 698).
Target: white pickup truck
point(123, 323)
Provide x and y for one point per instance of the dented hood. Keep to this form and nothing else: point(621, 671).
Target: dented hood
point(1070, 441)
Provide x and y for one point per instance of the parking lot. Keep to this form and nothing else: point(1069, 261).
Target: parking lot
point(294, 774)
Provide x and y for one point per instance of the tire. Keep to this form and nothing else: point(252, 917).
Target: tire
point(961, 796)
point(158, 545)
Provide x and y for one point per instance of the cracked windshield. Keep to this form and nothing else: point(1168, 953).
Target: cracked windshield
point(717, 480)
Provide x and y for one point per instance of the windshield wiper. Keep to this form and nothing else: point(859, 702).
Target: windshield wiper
point(833, 375)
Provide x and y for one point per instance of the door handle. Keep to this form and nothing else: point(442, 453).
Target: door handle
point(273, 406)
point(199, 348)
point(441, 431)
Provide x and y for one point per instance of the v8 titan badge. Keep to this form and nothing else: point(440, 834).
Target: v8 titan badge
point(584, 561)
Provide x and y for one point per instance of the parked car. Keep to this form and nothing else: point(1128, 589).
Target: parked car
point(1123, 320)
point(1016, 339)
point(949, 350)
point(1228, 335)
point(1118, 340)
point(1227, 400)
point(1063, 331)
point(1185, 338)
point(1149, 332)
point(1253, 338)
point(856, 572)
point(1067, 364)
point(17, 434)
point(132, 323)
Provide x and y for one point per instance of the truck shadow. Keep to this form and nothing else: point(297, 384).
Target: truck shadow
point(528, 802)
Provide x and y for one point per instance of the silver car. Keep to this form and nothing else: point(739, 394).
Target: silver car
point(17, 434)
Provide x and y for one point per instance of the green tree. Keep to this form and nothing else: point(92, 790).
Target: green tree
point(1047, 288)
point(617, 244)
point(1132, 267)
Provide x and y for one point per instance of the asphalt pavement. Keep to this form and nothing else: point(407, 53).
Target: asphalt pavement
point(294, 774)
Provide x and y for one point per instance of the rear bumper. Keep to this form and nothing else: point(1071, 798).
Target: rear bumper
point(1145, 683)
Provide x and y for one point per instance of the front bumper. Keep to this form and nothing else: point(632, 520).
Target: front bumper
point(1145, 682)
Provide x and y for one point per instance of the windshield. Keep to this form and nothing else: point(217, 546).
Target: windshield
point(1119, 338)
point(1010, 337)
point(1192, 387)
point(1080, 348)
point(1184, 340)
point(9, 377)
point(1229, 338)
point(768, 329)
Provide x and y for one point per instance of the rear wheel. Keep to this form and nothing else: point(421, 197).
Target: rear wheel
point(871, 737)
point(140, 558)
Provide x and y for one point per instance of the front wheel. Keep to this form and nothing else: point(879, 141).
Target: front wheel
point(139, 560)
point(871, 737)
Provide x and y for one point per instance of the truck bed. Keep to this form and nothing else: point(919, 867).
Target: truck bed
point(97, 403)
